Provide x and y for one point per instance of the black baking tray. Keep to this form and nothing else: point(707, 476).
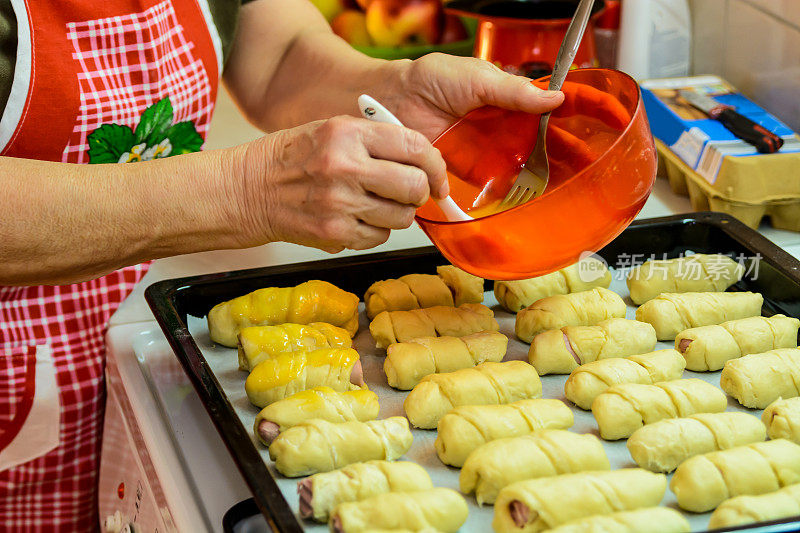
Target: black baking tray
point(777, 277)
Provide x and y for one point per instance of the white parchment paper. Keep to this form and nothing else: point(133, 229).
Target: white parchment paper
point(224, 363)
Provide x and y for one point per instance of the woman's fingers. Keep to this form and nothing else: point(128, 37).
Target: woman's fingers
point(403, 184)
point(382, 213)
point(501, 89)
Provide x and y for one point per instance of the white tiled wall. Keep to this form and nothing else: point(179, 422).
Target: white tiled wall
point(754, 44)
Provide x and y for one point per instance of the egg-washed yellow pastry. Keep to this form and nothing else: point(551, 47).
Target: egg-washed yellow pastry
point(758, 379)
point(485, 384)
point(319, 402)
point(322, 446)
point(390, 327)
point(671, 313)
point(536, 505)
point(742, 510)
point(467, 427)
point(622, 409)
point(702, 482)
point(588, 381)
point(312, 301)
point(649, 519)
point(257, 343)
point(408, 362)
point(438, 509)
point(582, 276)
point(289, 373)
point(663, 445)
point(707, 348)
point(782, 418)
point(585, 308)
point(545, 453)
point(560, 351)
point(321, 493)
point(692, 273)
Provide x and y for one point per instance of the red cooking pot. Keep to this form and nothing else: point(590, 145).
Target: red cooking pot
point(523, 36)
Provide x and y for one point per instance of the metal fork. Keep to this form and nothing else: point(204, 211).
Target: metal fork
point(532, 180)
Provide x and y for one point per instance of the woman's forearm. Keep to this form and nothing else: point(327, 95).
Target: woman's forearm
point(66, 223)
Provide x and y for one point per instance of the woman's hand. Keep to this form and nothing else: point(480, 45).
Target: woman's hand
point(335, 184)
point(432, 92)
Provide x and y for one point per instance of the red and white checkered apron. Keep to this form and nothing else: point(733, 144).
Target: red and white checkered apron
point(89, 64)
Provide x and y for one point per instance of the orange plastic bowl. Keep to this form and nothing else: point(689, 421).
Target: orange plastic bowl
point(602, 167)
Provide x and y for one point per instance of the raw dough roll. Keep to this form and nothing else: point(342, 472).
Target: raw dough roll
point(743, 510)
point(703, 482)
point(671, 313)
point(466, 288)
point(576, 309)
point(517, 295)
point(538, 504)
point(650, 519)
point(408, 362)
point(322, 446)
point(758, 379)
point(662, 446)
point(319, 402)
point(546, 453)
point(709, 347)
point(782, 418)
point(622, 409)
point(467, 427)
point(390, 327)
point(288, 373)
point(321, 493)
point(485, 384)
point(312, 301)
point(694, 273)
point(588, 381)
point(257, 343)
point(560, 351)
point(431, 510)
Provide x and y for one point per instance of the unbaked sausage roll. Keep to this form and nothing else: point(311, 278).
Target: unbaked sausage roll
point(466, 288)
point(560, 351)
point(321, 493)
point(321, 446)
point(587, 381)
point(693, 273)
point(758, 379)
point(538, 504)
point(582, 276)
point(431, 510)
point(662, 446)
point(671, 313)
point(319, 402)
point(485, 384)
point(707, 348)
point(288, 373)
point(585, 308)
point(257, 343)
point(649, 519)
point(467, 427)
point(390, 327)
point(743, 510)
point(622, 409)
point(312, 301)
point(782, 418)
point(546, 453)
point(408, 362)
point(703, 482)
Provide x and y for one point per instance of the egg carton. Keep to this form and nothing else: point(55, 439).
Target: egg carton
point(746, 188)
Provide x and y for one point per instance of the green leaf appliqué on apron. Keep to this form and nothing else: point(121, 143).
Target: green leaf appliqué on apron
point(155, 137)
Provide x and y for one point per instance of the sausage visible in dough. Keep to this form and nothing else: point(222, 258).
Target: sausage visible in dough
point(390, 327)
point(662, 446)
point(671, 313)
point(782, 418)
point(585, 308)
point(758, 379)
point(743, 510)
point(650, 520)
point(588, 381)
point(560, 351)
point(465, 428)
point(622, 409)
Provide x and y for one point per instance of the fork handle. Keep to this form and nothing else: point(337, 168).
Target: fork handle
point(570, 44)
